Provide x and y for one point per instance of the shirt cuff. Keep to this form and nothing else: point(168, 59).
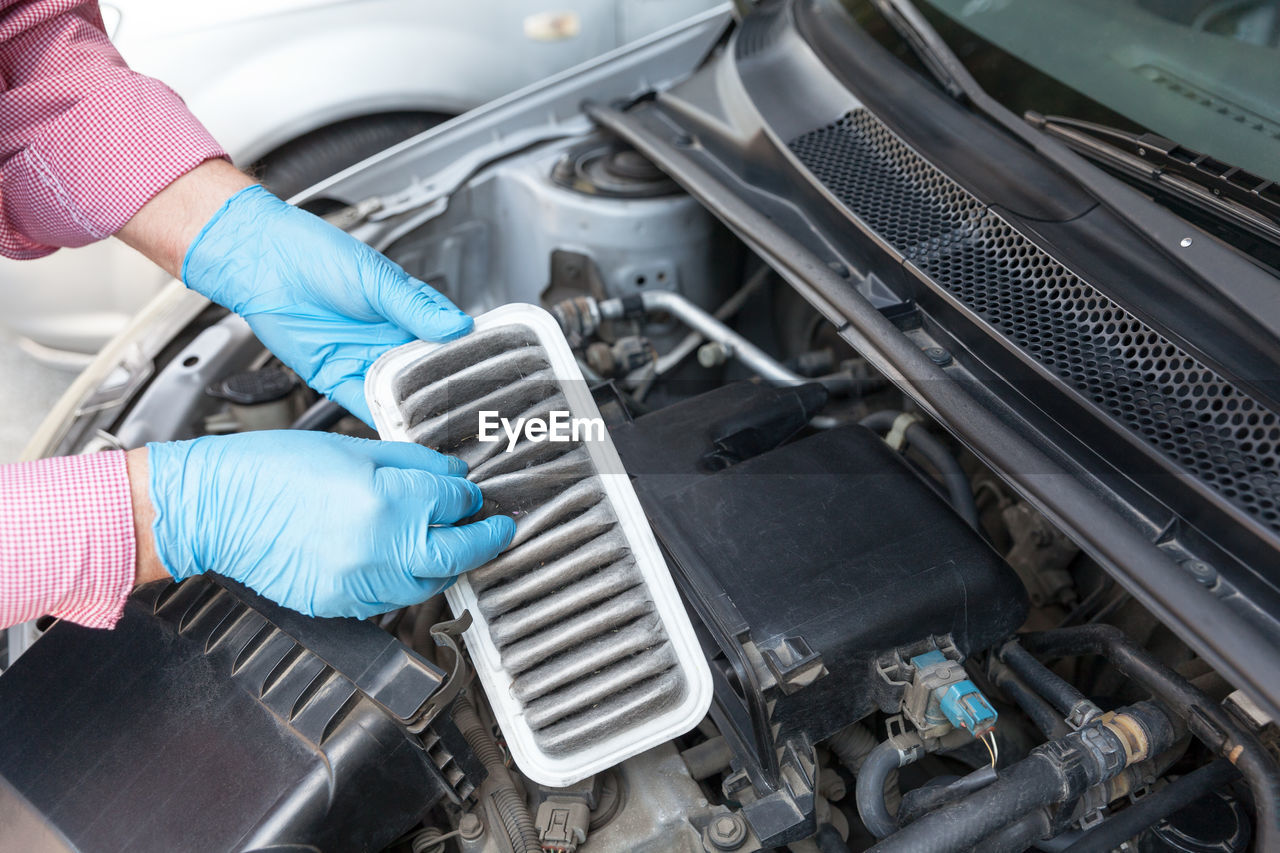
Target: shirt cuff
point(67, 545)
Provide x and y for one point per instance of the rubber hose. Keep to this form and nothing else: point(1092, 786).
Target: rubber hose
point(1019, 835)
point(1222, 734)
point(1044, 681)
point(1055, 772)
point(882, 761)
point(708, 758)
point(1050, 723)
point(829, 841)
point(953, 476)
point(511, 808)
point(321, 414)
point(923, 800)
point(1143, 813)
point(851, 745)
point(1024, 787)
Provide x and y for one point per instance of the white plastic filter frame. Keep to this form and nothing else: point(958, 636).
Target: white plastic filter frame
point(538, 765)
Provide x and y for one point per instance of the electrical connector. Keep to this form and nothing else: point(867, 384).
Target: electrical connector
point(941, 697)
point(562, 825)
point(966, 708)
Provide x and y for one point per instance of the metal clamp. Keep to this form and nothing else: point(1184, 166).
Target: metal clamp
point(1082, 713)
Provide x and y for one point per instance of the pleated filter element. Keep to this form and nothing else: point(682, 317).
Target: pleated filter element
point(579, 637)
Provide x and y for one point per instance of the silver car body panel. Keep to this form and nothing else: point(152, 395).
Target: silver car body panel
point(259, 74)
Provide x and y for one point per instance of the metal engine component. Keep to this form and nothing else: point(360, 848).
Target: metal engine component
point(605, 168)
point(1040, 554)
point(696, 318)
point(580, 639)
point(625, 355)
point(662, 810)
point(582, 196)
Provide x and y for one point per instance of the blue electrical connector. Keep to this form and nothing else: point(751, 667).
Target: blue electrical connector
point(964, 705)
point(952, 695)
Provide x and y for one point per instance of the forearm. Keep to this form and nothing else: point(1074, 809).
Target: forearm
point(149, 568)
point(165, 226)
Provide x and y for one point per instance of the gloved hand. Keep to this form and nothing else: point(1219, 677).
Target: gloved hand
point(326, 304)
point(322, 523)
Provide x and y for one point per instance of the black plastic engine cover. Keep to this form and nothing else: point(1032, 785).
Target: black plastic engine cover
point(830, 547)
point(215, 720)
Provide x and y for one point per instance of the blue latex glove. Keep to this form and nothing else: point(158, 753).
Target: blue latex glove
point(325, 524)
point(326, 304)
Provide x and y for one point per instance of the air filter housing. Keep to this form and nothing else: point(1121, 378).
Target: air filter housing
point(579, 637)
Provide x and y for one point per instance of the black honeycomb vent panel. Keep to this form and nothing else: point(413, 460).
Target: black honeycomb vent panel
point(1194, 417)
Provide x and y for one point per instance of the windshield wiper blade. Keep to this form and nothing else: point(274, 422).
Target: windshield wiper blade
point(1249, 200)
point(1228, 192)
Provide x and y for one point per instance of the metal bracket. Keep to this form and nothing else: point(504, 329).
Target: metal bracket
point(447, 634)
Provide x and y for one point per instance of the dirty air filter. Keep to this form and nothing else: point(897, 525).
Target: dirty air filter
point(580, 639)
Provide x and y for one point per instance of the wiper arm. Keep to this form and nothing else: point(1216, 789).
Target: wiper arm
point(1248, 200)
point(925, 43)
point(1231, 193)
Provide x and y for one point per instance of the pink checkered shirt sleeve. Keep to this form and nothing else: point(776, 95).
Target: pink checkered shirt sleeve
point(66, 539)
point(84, 141)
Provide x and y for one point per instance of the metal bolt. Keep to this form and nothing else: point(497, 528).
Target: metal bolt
point(1202, 572)
point(713, 354)
point(1186, 241)
point(938, 355)
point(470, 826)
point(727, 832)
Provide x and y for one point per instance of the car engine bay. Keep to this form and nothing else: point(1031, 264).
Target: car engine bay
point(905, 653)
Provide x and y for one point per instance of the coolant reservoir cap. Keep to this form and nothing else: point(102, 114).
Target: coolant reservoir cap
point(254, 387)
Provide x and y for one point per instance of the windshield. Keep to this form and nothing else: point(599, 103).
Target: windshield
point(1204, 73)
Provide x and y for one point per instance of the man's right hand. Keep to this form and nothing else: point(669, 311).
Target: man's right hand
point(324, 303)
point(321, 523)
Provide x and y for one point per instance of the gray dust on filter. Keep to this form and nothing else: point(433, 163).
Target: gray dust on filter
point(567, 606)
